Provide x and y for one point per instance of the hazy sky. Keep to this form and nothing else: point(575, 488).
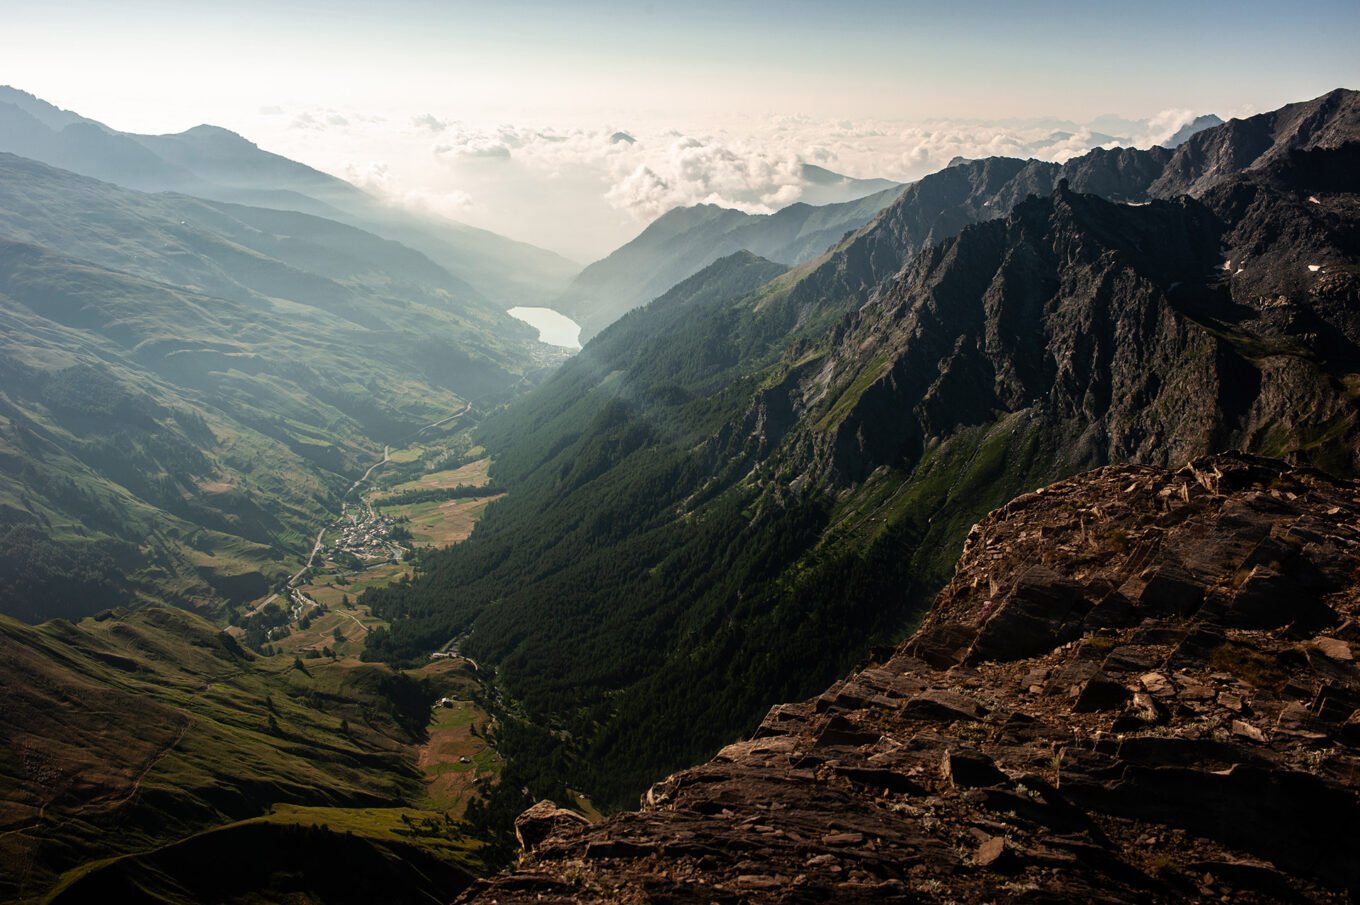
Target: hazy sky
point(501, 113)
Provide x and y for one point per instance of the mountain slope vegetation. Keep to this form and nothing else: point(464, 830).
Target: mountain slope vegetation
point(149, 755)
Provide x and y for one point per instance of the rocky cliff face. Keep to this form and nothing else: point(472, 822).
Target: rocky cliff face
point(1148, 332)
point(1245, 286)
point(1139, 686)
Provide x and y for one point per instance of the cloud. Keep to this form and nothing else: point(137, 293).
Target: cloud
point(586, 189)
point(1166, 124)
point(698, 170)
point(473, 150)
point(371, 176)
point(451, 204)
point(321, 119)
point(647, 173)
point(641, 177)
point(430, 122)
point(272, 110)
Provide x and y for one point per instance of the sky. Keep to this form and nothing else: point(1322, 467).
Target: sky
point(507, 114)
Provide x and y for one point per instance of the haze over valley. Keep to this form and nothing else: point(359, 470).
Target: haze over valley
point(440, 448)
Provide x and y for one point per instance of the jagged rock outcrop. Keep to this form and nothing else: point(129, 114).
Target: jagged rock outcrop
point(1139, 686)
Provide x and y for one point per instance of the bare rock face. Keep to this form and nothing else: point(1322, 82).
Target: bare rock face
point(1138, 687)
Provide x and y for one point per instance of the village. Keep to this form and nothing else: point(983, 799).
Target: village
point(366, 536)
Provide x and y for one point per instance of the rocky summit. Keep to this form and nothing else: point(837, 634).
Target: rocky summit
point(1139, 686)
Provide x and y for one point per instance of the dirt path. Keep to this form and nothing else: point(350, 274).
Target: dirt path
point(37, 820)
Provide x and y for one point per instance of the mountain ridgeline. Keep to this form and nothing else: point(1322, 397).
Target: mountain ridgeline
point(680, 243)
point(734, 491)
point(214, 163)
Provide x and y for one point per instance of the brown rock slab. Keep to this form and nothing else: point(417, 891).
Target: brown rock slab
point(991, 853)
point(942, 705)
point(1154, 683)
point(1334, 648)
point(1246, 730)
point(1100, 692)
point(842, 838)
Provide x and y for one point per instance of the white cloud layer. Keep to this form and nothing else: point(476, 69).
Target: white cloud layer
point(586, 190)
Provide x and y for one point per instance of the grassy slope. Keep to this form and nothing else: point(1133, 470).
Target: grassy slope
point(133, 733)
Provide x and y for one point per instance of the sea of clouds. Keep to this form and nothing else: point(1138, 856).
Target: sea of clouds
point(585, 190)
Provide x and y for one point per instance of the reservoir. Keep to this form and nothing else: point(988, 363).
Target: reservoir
point(554, 328)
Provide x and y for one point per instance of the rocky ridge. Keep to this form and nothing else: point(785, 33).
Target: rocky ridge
point(1133, 332)
point(1139, 686)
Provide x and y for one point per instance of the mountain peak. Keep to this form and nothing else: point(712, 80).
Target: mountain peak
point(217, 133)
point(1198, 124)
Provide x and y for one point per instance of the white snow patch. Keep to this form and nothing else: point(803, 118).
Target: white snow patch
point(1314, 268)
point(1313, 199)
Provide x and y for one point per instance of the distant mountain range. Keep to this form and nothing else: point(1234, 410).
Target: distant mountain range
point(680, 243)
point(822, 186)
point(214, 163)
point(684, 240)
